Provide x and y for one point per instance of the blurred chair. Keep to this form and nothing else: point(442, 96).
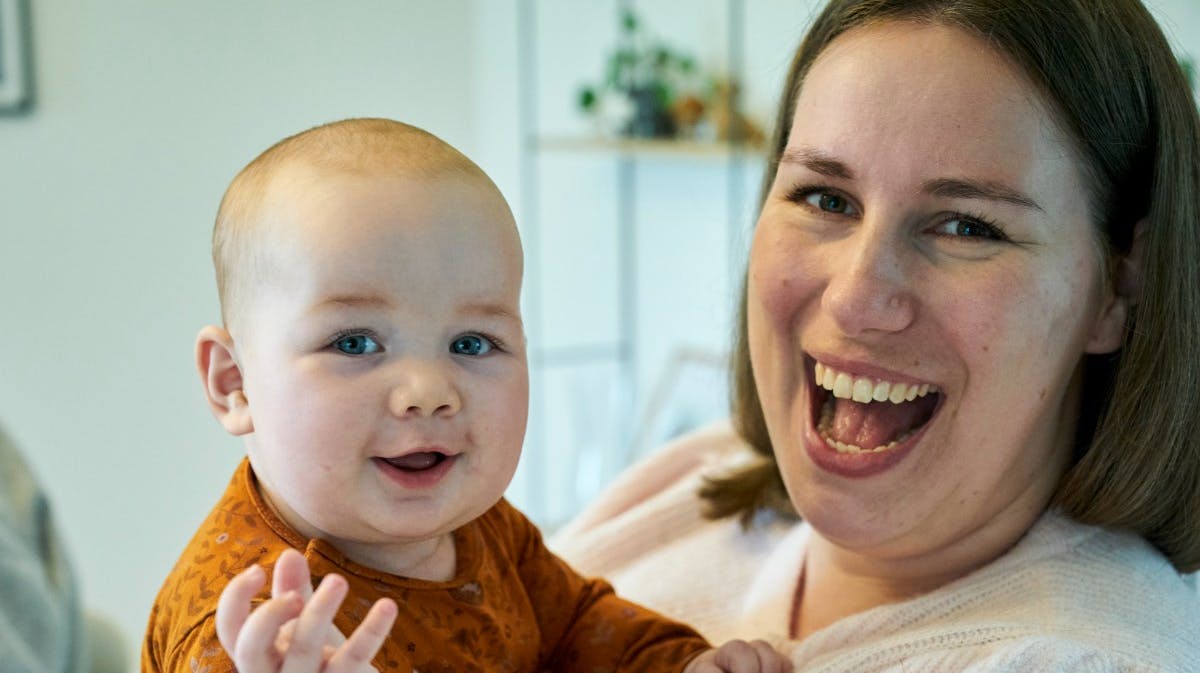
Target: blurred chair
point(690, 392)
point(42, 626)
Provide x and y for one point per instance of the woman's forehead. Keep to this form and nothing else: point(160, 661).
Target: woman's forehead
point(930, 99)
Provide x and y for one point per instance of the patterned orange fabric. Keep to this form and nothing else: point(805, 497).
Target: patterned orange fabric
point(512, 605)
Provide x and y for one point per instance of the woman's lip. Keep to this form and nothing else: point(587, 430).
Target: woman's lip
point(851, 465)
point(858, 368)
point(856, 465)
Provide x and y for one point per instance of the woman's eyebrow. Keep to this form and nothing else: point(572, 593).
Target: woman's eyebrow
point(824, 164)
point(979, 189)
point(817, 162)
point(489, 310)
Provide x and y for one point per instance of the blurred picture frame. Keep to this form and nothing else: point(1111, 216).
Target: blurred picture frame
point(15, 84)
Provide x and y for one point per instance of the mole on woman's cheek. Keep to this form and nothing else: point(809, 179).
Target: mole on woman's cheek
point(777, 295)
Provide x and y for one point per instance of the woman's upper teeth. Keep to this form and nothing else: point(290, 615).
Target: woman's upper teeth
point(866, 389)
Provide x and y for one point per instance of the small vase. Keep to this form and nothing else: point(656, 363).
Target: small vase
point(650, 118)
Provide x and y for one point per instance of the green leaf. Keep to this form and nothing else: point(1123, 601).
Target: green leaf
point(1189, 70)
point(629, 22)
point(587, 98)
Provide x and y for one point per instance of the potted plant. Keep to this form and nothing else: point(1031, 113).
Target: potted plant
point(642, 79)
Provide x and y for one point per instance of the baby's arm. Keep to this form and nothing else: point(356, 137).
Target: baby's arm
point(738, 656)
point(294, 629)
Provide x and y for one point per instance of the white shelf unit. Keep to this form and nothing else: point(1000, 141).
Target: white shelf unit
point(627, 154)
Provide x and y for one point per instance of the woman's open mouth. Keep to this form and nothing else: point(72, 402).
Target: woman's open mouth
point(864, 415)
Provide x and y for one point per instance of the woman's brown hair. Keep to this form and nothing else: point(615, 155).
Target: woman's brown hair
point(1108, 74)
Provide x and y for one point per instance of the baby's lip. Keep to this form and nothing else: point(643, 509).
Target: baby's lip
point(431, 448)
point(420, 459)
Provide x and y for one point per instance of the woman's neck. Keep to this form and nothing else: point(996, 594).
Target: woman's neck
point(838, 582)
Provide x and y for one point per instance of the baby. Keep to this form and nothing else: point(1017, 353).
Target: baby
point(373, 359)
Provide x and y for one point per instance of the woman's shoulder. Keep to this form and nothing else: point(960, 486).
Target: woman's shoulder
point(1067, 597)
point(1083, 570)
point(1042, 653)
point(1111, 589)
point(647, 534)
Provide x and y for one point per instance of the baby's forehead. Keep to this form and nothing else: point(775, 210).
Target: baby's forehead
point(265, 200)
point(306, 172)
point(325, 233)
point(324, 208)
point(293, 190)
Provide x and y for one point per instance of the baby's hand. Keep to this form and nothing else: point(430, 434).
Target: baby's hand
point(294, 629)
point(738, 656)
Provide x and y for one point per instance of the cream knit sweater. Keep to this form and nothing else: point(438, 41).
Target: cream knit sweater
point(1067, 597)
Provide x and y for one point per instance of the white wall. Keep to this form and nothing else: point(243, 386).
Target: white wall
point(146, 109)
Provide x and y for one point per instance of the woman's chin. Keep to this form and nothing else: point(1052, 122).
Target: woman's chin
point(848, 522)
point(863, 502)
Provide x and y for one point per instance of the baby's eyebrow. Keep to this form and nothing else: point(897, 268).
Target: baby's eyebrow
point(352, 301)
point(489, 310)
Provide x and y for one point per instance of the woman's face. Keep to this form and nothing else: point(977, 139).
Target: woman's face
point(924, 282)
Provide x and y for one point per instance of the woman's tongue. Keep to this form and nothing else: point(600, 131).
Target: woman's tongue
point(873, 424)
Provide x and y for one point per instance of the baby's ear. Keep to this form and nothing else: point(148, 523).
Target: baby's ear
point(222, 380)
point(1126, 290)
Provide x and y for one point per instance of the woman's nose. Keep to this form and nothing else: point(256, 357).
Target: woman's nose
point(869, 289)
point(424, 389)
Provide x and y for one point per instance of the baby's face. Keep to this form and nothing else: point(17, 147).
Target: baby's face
point(383, 356)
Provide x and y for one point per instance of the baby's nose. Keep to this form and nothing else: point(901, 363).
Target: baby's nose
point(424, 389)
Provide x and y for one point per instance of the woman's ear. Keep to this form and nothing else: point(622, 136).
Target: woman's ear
point(222, 380)
point(1126, 290)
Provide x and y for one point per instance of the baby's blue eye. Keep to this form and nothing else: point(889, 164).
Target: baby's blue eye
point(471, 344)
point(356, 344)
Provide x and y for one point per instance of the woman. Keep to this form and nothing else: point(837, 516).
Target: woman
point(967, 358)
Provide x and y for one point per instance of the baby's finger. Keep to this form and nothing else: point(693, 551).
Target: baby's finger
point(769, 659)
point(362, 646)
point(291, 574)
point(233, 607)
point(305, 652)
point(736, 656)
point(255, 650)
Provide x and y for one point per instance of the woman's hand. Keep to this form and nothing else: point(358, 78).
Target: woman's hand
point(739, 656)
point(293, 632)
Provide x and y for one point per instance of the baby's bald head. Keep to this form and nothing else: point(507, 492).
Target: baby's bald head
point(354, 146)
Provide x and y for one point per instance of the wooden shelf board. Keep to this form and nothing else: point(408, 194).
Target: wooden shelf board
point(665, 147)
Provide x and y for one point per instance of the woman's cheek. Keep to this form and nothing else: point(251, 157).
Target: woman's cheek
point(781, 278)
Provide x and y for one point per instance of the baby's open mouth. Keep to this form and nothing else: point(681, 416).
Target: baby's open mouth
point(416, 462)
point(866, 415)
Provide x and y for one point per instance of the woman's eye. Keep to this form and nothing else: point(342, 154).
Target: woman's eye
point(965, 227)
point(830, 203)
point(471, 344)
point(356, 344)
